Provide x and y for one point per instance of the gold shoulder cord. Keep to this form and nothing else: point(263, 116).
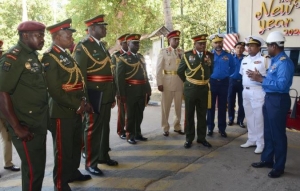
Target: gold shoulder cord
point(192, 71)
point(103, 62)
point(71, 71)
point(135, 68)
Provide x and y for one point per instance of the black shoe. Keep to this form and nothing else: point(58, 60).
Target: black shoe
point(123, 136)
point(141, 138)
point(230, 123)
point(83, 155)
point(210, 133)
point(94, 171)
point(166, 133)
point(223, 134)
point(12, 168)
point(109, 162)
point(179, 132)
point(241, 124)
point(131, 141)
point(275, 173)
point(204, 143)
point(82, 177)
point(187, 144)
point(262, 164)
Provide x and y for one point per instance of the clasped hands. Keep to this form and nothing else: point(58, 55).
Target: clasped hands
point(254, 75)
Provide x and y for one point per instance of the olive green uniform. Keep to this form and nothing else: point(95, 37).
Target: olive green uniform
point(121, 110)
point(96, 66)
point(66, 88)
point(133, 84)
point(195, 72)
point(21, 76)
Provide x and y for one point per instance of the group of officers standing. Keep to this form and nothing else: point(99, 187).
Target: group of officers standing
point(206, 78)
point(63, 93)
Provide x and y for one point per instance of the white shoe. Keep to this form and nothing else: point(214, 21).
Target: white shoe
point(248, 144)
point(259, 149)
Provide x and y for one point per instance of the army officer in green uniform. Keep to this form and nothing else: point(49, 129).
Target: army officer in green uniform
point(121, 112)
point(67, 103)
point(96, 66)
point(134, 87)
point(24, 102)
point(194, 70)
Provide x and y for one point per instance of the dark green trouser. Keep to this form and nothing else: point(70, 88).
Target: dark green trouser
point(121, 118)
point(67, 135)
point(135, 106)
point(96, 136)
point(33, 157)
point(196, 97)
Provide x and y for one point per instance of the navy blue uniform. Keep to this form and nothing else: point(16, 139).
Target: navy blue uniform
point(219, 82)
point(277, 104)
point(236, 87)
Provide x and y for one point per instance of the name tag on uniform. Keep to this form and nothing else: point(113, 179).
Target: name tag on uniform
point(244, 63)
point(257, 62)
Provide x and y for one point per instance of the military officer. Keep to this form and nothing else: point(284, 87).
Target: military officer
point(253, 94)
point(67, 103)
point(96, 66)
point(276, 84)
point(194, 70)
point(219, 82)
point(134, 87)
point(24, 102)
point(169, 83)
point(236, 87)
point(121, 112)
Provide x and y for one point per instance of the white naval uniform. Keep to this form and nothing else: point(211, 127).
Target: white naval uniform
point(166, 75)
point(253, 98)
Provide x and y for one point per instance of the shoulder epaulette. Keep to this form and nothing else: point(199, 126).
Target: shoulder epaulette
point(14, 52)
point(282, 58)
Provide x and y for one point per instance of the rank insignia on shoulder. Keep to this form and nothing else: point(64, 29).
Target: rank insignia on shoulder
point(6, 66)
point(257, 62)
point(11, 56)
point(282, 58)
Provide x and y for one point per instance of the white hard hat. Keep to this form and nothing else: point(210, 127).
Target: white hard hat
point(276, 37)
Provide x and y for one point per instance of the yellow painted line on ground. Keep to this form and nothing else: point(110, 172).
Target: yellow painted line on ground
point(191, 168)
point(121, 166)
point(160, 185)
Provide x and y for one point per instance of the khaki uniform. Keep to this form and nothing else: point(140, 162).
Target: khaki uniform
point(195, 72)
point(6, 144)
point(121, 109)
point(66, 88)
point(96, 66)
point(21, 76)
point(166, 75)
point(133, 84)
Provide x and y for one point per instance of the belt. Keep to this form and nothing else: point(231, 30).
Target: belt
point(169, 72)
point(219, 79)
point(136, 82)
point(236, 80)
point(96, 78)
point(72, 87)
point(197, 82)
point(252, 87)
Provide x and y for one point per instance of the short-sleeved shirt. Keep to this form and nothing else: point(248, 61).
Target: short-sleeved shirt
point(223, 65)
point(237, 62)
point(21, 76)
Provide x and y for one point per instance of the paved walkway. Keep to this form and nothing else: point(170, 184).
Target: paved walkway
point(162, 163)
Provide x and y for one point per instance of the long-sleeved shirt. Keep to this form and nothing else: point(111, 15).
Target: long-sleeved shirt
point(280, 74)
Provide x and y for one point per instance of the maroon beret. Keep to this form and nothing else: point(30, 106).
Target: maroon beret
point(31, 26)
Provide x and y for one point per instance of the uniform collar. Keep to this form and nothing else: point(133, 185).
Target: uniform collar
point(98, 41)
point(26, 48)
point(60, 48)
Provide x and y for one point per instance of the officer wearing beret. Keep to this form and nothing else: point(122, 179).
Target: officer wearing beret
point(277, 85)
point(96, 66)
point(219, 82)
point(169, 82)
point(194, 70)
point(24, 102)
point(134, 87)
point(253, 94)
point(67, 102)
point(236, 87)
point(121, 111)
